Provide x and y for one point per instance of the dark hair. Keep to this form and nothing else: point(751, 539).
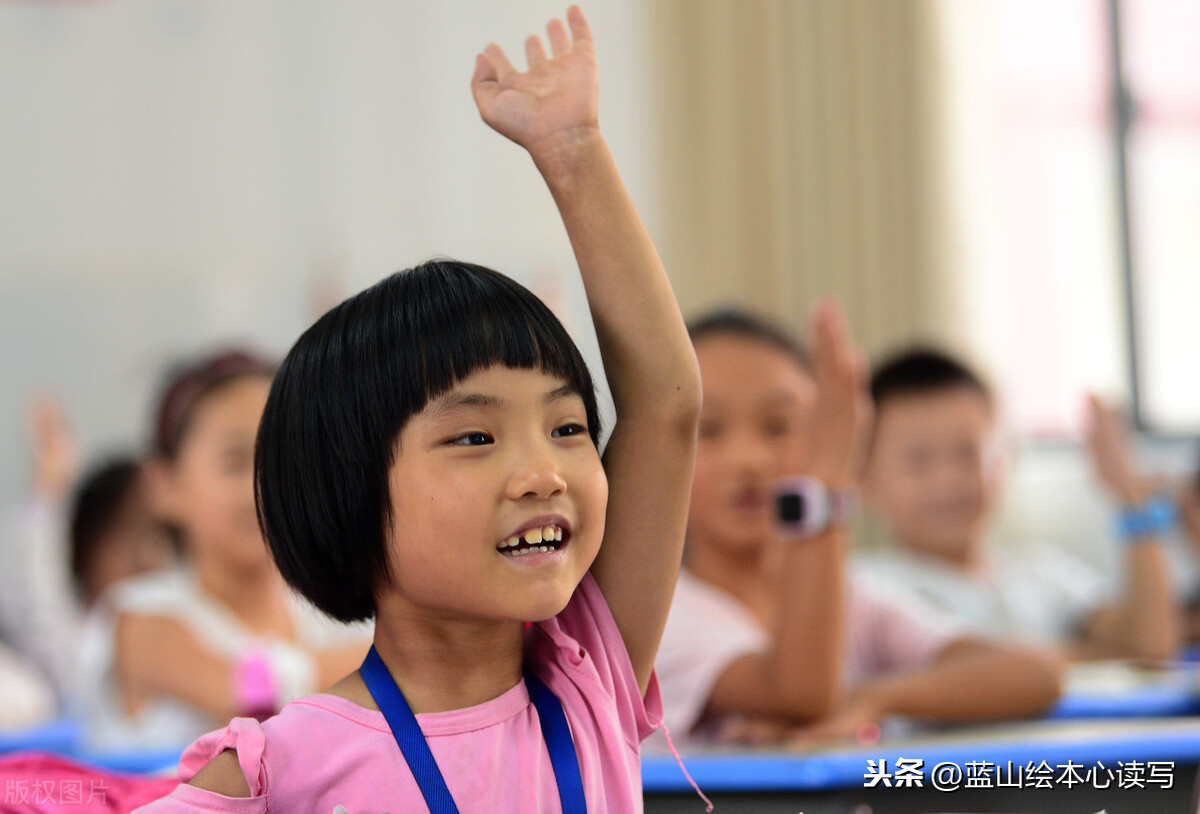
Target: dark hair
point(346, 390)
point(99, 499)
point(922, 371)
point(733, 321)
point(190, 382)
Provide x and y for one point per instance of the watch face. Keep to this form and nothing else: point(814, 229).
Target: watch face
point(800, 507)
point(791, 507)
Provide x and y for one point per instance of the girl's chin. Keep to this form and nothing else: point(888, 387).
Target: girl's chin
point(745, 539)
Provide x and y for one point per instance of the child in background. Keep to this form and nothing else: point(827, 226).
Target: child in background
point(114, 533)
point(429, 456)
point(169, 655)
point(767, 634)
point(933, 475)
point(60, 553)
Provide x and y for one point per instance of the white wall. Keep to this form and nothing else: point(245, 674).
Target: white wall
point(175, 172)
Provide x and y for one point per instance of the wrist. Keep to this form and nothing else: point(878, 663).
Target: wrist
point(558, 155)
point(871, 700)
point(805, 506)
point(1145, 519)
point(255, 687)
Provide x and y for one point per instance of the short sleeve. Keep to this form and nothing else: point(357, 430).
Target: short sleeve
point(706, 631)
point(892, 629)
point(585, 631)
point(246, 737)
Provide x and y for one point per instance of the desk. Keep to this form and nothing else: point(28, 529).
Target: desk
point(832, 781)
point(60, 736)
point(1123, 690)
point(66, 737)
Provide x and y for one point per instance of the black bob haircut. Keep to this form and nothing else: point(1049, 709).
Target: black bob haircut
point(95, 507)
point(346, 390)
point(733, 321)
point(920, 371)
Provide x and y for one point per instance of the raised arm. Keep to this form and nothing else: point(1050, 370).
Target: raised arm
point(799, 677)
point(1144, 621)
point(551, 111)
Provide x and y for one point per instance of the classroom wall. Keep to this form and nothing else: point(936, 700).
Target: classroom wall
point(174, 173)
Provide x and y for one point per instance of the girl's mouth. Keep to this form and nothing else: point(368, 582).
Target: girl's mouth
point(537, 540)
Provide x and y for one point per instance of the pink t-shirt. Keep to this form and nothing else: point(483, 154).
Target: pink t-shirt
point(886, 629)
point(322, 752)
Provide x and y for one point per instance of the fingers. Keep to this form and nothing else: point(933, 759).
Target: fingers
point(499, 61)
point(560, 40)
point(580, 30)
point(836, 361)
point(535, 53)
point(491, 68)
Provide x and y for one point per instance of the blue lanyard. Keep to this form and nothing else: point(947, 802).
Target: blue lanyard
point(421, 762)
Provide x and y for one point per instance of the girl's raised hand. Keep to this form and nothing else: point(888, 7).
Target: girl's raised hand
point(842, 416)
point(552, 102)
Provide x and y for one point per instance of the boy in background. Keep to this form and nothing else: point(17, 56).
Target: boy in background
point(933, 474)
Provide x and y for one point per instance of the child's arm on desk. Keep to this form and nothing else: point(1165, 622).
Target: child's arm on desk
point(1145, 620)
point(551, 111)
point(970, 680)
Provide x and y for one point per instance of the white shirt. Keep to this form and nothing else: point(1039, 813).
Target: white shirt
point(1042, 599)
point(175, 593)
point(40, 616)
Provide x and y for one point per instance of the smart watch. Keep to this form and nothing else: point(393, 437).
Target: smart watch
point(805, 508)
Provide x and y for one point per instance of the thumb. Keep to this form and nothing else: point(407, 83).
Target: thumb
point(485, 80)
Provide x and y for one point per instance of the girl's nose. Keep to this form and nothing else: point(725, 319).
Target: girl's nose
point(751, 456)
point(539, 477)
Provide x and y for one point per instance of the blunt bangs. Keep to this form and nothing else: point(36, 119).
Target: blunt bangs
point(349, 386)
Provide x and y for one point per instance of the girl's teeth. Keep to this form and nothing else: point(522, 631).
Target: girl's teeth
point(534, 537)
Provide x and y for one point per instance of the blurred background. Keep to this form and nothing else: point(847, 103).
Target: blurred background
point(1017, 179)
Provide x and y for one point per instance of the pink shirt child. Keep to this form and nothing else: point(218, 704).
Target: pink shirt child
point(887, 629)
point(325, 754)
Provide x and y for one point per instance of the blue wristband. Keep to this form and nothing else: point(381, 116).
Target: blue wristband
point(1154, 517)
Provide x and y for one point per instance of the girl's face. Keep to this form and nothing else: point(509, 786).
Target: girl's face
point(758, 402)
point(504, 452)
point(208, 489)
point(134, 543)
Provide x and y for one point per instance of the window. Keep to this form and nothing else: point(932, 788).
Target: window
point(1081, 250)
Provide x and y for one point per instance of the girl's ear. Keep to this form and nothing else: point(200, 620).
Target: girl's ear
point(162, 491)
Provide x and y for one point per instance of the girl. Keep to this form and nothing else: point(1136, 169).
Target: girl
point(169, 655)
point(768, 633)
point(429, 456)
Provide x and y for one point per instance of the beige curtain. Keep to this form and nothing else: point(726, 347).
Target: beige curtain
point(800, 157)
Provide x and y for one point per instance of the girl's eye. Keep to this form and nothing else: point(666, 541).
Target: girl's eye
point(775, 427)
point(471, 439)
point(568, 430)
